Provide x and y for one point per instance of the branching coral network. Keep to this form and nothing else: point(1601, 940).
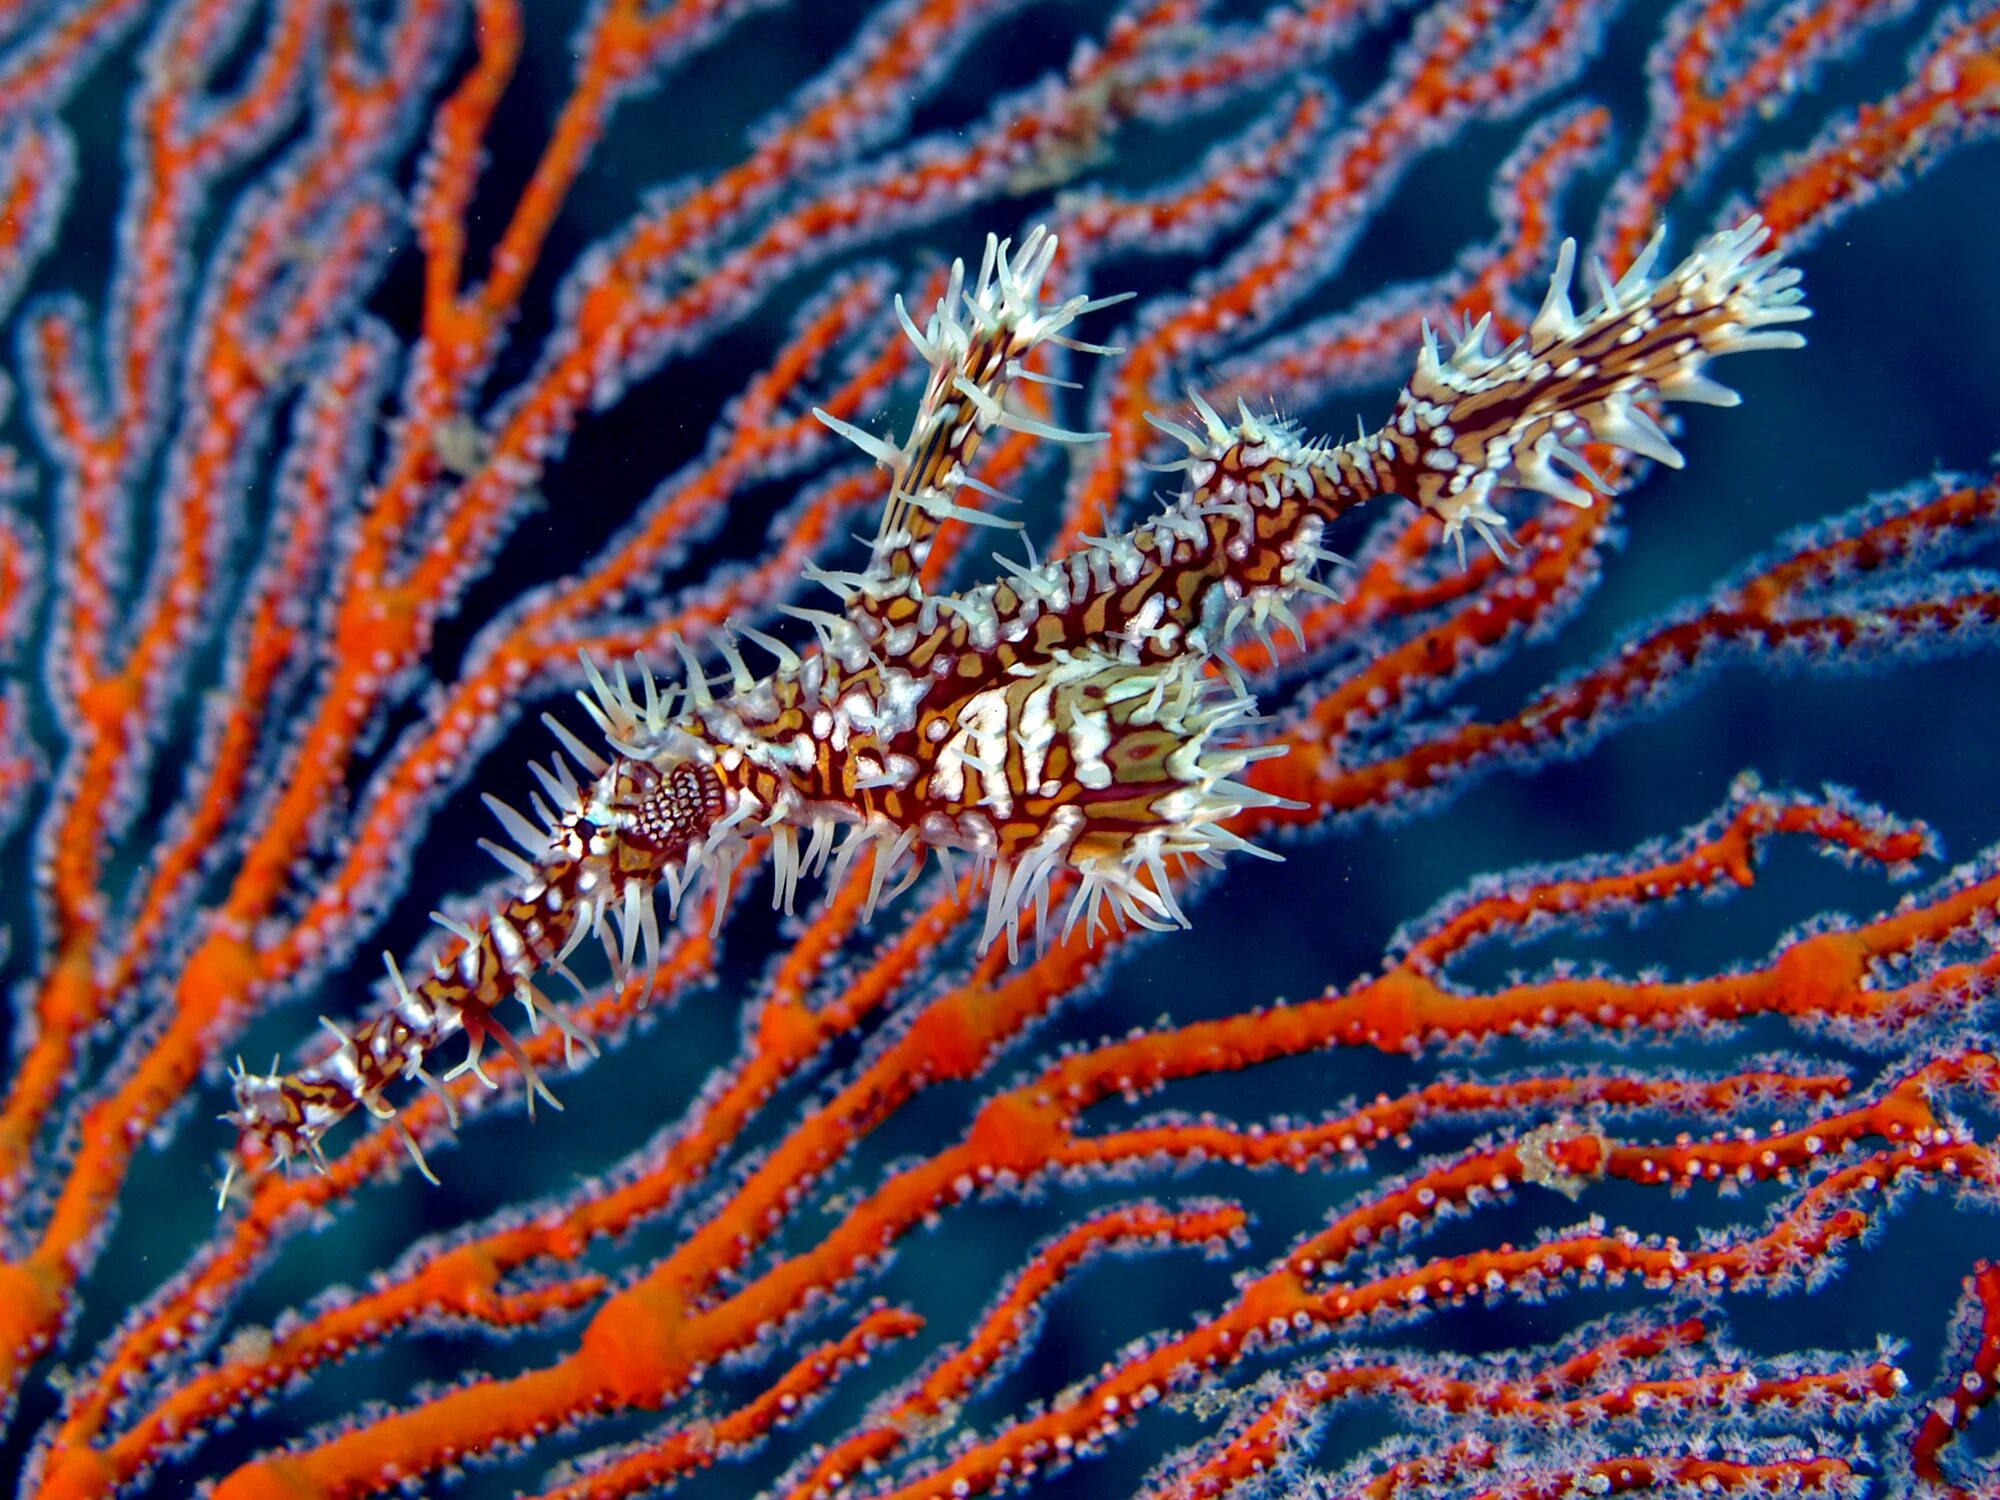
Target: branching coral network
point(312, 498)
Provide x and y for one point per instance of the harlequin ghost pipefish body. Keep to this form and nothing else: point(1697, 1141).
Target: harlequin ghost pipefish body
point(1076, 721)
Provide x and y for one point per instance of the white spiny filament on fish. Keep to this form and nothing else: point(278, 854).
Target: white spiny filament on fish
point(1077, 720)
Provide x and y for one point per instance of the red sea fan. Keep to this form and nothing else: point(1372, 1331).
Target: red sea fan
point(356, 415)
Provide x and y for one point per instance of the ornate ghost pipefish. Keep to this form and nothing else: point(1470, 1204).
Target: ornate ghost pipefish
point(1063, 720)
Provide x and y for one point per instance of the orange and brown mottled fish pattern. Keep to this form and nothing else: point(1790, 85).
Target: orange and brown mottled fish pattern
point(1077, 718)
